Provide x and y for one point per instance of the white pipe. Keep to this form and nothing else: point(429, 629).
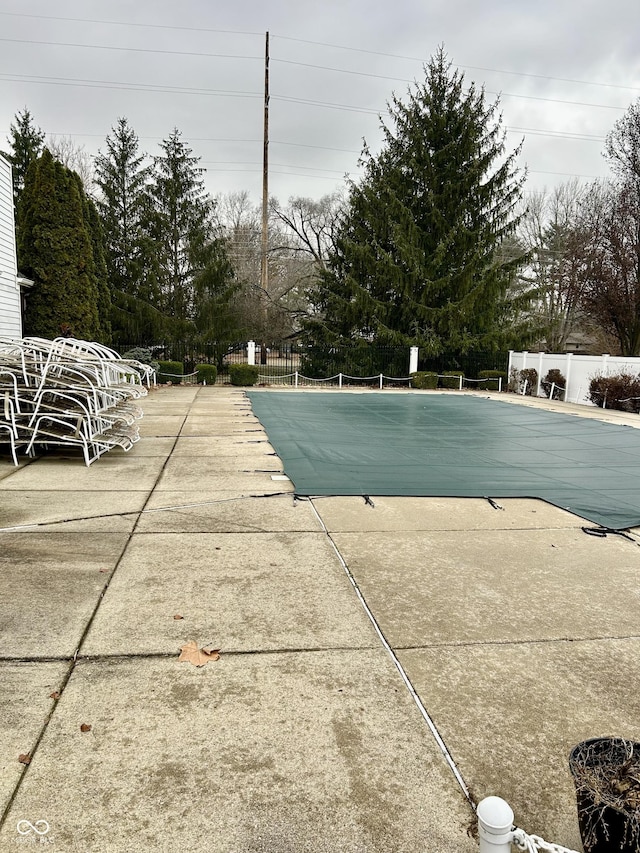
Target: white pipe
point(296, 378)
point(460, 383)
point(495, 825)
point(339, 380)
point(381, 381)
point(499, 383)
point(552, 392)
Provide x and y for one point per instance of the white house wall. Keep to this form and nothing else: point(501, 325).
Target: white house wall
point(10, 313)
point(578, 370)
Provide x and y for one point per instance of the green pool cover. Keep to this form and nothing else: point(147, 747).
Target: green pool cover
point(393, 443)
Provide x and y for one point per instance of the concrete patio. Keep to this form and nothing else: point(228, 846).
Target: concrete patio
point(519, 633)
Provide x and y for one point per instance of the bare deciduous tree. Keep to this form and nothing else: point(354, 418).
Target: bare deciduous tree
point(74, 157)
point(552, 233)
point(611, 277)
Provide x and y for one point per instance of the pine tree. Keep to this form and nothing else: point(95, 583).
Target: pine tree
point(56, 251)
point(416, 259)
point(26, 142)
point(124, 207)
point(189, 255)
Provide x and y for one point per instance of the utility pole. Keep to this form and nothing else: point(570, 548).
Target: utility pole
point(264, 267)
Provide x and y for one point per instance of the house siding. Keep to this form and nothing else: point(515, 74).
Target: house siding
point(10, 310)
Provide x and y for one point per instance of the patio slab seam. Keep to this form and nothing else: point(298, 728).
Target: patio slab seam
point(74, 657)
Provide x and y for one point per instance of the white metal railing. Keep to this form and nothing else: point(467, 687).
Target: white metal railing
point(498, 834)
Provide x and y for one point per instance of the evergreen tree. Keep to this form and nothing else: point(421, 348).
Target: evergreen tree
point(56, 251)
point(98, 266)
point(26, 142)
point(124, 207)
point(417, 256)
point(188, 254)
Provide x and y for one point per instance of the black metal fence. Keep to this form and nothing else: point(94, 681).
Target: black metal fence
point(285, 359)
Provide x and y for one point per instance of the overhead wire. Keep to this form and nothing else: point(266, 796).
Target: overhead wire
point(171, 89)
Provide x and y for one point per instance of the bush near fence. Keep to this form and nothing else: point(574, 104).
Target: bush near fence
point(206, 374)
point(451, 379)
point(493, 378)
point(243, 374)
point(620, 392)
point(424, 380)
point(554, 379)
point(529, 376)
point(170, 371)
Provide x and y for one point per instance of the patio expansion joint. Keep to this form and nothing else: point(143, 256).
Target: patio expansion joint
point(73, 659)
point(538, 641)
point(145, 511)
point(401, 671)
point(173, 655)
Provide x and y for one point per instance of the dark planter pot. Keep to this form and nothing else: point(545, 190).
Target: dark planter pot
point(604, 827)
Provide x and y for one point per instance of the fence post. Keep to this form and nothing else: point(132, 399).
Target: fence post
point(413, 360)
point(540, 358)
point(495, 825)
point(251, 352)
point(500, 383)
point(339, 380)
point(567, 376)
point(381, 381)
point(460, 378)
point(296, 378)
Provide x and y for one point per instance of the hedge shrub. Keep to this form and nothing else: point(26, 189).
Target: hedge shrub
point(243, 374)
point(493, 376)
point(616, 392)
point(170, 371)
point(206, 374)
point(530, 376)
point(451, 379)
point(424, 379)
point(554, 377)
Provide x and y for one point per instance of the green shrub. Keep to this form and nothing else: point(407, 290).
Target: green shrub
point(616, 392)
point(451, 379)
point(170, 371)
point(554, 377)
point(144, 356)
point(424, 379)
point(138, 354)
point(530, 376)
point(207, 374)
point(243, 374)
point(492, 377)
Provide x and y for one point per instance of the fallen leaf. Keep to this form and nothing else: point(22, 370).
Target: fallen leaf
point(24, 758)
point(104, 571)
point(198, 657)
point(85, 727)
point(54, 695)
point(178, 616)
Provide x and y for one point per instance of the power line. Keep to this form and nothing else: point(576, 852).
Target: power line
point(125, 86)
point(131, 24)
point(130, 49)
point(470, 67)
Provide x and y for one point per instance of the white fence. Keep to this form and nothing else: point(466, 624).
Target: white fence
point(578, 370)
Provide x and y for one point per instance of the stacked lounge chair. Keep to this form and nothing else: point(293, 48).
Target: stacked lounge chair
point(69, 393)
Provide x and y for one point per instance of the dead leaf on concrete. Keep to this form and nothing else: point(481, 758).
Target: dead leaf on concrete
point(85, 727)
point(24, 758)
point(198, 657)
point(178, 616)
point(54, 695)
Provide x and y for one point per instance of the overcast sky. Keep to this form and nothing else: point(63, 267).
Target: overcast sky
point(565, 71)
